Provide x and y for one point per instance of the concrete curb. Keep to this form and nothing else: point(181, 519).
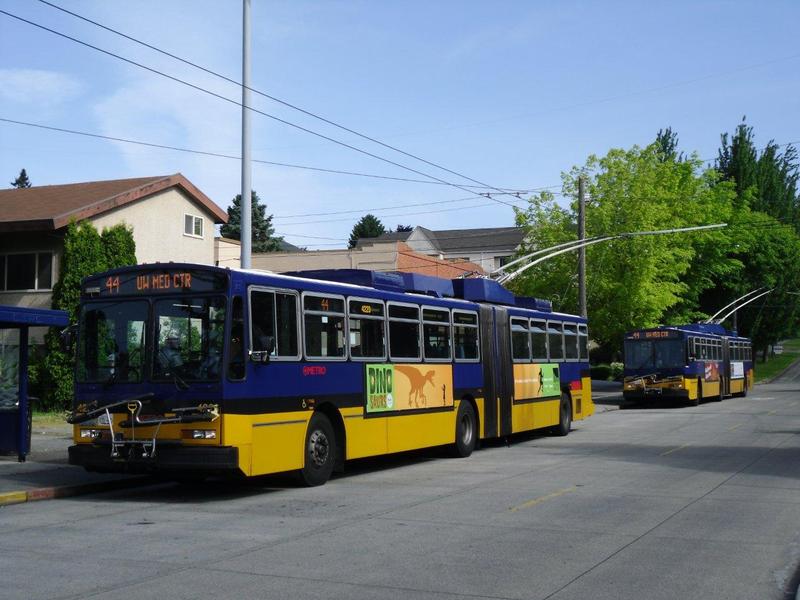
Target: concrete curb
point(66, 491)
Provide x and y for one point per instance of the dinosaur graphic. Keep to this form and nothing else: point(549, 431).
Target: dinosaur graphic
point(417, 381)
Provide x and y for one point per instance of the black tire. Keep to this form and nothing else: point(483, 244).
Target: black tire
point(466, 430)
point(564, 415)
point(319, 451)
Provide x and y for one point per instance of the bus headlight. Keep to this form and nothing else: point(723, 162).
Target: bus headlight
point(204, 434)
point(92, 434)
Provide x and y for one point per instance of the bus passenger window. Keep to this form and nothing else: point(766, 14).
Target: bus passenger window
point(273, 316)
point(436, 333)
point(404, 332)
point(539, 340)
point(583, 342)
point(571, 341)
point(236, 341)
point(465, 335)
point(520, 340)
point(555, 341)
point(324, 326)
point(367, 329)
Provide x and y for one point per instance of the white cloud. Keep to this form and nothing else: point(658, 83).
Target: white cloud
point(34, 88)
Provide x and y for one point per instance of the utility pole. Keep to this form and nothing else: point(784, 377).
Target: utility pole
point(245, 233)
point(582, 251)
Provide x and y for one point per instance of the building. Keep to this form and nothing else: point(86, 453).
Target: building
point(172, 220)
point(376, 256)
point(490, 248)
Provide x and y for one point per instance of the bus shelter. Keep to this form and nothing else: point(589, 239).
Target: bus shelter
point(15, 408)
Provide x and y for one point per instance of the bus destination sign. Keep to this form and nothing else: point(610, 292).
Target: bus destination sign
point(653, 335)
point(152, 281)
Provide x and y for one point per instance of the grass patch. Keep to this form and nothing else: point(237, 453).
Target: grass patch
point(776, 364)
point(48, 419)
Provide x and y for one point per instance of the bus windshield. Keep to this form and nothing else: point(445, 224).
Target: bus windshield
point(654, 354)
point(112, 341)
point(188, 338)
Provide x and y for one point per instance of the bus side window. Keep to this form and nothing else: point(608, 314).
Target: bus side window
point(539, 340)
point(273, 316)
point(404, 332)
point(436, 333)
point(236, 347)
point(520, 340)
point(583, 342)
point(465, 335)
point(324, 326)
point(555, 340)
point(367, 329)
point(571, 341)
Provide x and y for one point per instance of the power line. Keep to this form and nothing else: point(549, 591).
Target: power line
point(481, 205)
point(273, 98)
point(250, 108)
point(236, 157)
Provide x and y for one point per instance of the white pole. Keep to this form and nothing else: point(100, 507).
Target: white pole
point(246, 232)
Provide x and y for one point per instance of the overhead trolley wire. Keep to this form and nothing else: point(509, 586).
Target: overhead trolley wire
point(250, 108)
point(275, 99)
point(236, 157)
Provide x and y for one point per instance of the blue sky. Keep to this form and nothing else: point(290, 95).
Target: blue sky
point(508, 93)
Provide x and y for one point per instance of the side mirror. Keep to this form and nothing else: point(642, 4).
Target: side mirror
point(262, 356)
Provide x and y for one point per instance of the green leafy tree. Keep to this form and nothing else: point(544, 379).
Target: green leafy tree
point(85, 252)
point(369, 226)
point(22, 180)
point(263, 238)
point(632, 282)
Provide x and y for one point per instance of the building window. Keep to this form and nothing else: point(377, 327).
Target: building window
point(193, 225)
point(29, 271)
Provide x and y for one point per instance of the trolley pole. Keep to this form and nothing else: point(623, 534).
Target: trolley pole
point(245, 233)
point(582, 251)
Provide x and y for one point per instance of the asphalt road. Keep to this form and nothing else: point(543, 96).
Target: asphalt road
point(664, 502)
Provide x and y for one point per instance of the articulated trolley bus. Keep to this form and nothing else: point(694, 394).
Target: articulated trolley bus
point(188, 369)
point(687, 362)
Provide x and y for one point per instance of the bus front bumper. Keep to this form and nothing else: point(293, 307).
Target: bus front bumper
point(640, 395)
point(211, 460)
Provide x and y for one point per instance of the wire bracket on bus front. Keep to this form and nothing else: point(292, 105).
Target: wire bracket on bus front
point(191, 414)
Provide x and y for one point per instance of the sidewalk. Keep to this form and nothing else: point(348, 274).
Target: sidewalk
point(46, 474)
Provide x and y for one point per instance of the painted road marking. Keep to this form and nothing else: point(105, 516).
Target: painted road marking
point(735, 427)
point(773, 411)
point(540, 499)
point(675, 449)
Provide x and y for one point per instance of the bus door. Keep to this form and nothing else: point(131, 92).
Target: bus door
point(488, 352)
point(725, 384)
point(505, 371)
point(498, 375)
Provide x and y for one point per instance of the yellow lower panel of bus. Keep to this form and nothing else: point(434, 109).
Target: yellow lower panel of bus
point(534, 415)
point(737, 386)
point(365, 437)
point(421, 430)
point(267, 443)
point(585, 407)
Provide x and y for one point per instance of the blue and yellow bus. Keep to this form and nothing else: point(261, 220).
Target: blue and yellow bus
point(187, 369)
point(687, 362)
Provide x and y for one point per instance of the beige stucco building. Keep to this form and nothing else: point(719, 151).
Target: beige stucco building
point(172, 220)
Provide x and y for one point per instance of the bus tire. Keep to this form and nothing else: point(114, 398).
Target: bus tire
point(319, 451)
point(564, 415)
point(466, 430)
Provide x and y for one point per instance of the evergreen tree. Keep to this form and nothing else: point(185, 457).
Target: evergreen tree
point(369, 226)
point(263, 233)
point(667, 145)
point(404, 228)
point(22, 180)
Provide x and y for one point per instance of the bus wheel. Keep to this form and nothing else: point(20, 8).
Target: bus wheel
point(466, 430)
point(318, 452)
point(564, 415)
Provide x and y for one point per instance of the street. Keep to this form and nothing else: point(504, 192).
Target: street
point(659, 502)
